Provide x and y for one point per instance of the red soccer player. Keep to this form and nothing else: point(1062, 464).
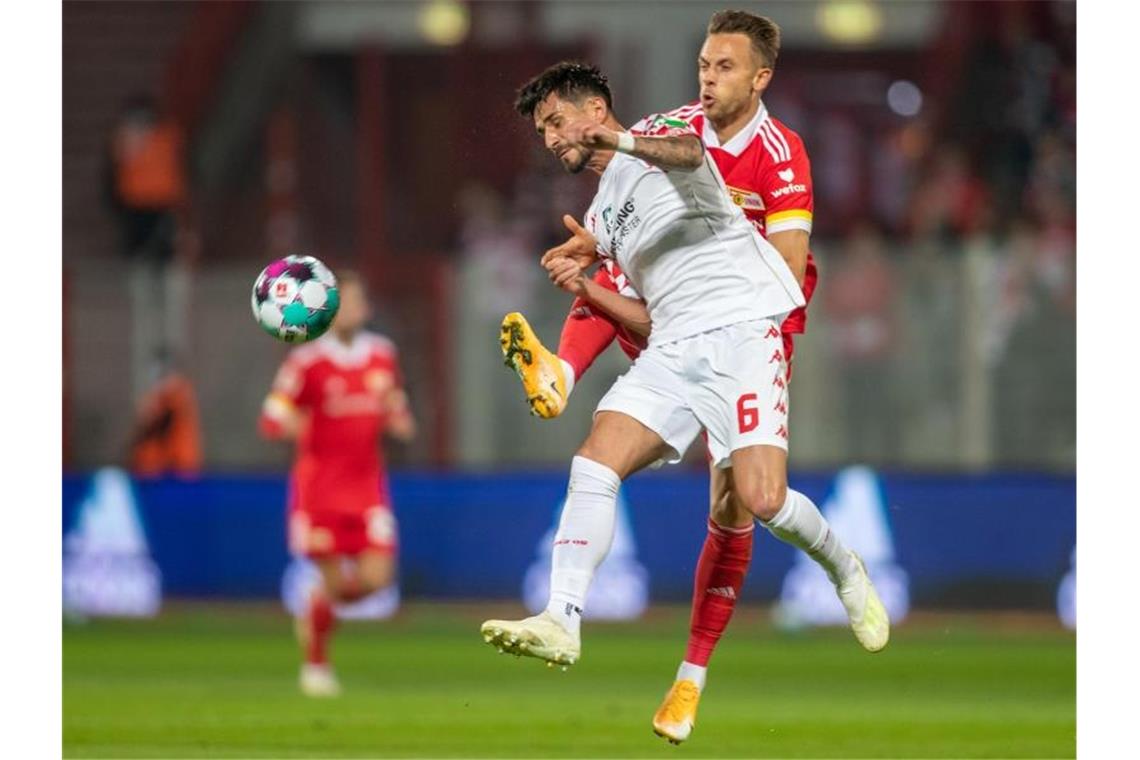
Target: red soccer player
point(336, 396)
point(768, 175)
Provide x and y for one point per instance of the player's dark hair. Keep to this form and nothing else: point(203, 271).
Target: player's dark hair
point(761, 30)
point(571, 80)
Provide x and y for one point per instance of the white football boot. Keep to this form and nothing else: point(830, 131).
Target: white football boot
point(868, 616)
point(319, 681)
point(539, 636)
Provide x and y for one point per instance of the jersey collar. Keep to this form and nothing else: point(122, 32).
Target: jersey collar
point(741, 139)
point(353, 355)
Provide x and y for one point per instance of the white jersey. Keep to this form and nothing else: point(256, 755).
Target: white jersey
point(687, 249)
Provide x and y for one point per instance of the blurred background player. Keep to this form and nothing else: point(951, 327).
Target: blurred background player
point(336, 397)
point(768, 174)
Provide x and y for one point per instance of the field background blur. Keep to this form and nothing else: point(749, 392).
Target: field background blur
point(940, 352)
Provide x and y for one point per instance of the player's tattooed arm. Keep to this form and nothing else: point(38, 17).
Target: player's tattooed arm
point(631, 313)
point(680, 152)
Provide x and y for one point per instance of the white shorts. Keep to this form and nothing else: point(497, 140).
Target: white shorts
point(730, 381)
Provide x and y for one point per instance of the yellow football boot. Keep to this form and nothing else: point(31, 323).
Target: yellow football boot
point(675, 718)
point(543, 378)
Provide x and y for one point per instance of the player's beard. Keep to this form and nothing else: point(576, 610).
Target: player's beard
point(584, 156)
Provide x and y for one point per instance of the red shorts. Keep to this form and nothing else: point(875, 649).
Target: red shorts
point(328, 534)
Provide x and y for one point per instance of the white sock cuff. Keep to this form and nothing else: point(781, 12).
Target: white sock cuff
point(792, 518)
point(568, 373)
point(583, 471)
point(695, 673)
point(787, 512)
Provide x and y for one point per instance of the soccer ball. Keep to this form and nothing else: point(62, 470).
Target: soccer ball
point(295, 299)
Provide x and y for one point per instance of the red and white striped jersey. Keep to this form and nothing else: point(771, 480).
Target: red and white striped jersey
point(768, 174)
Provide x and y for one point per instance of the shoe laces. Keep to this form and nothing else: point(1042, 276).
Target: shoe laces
point(681, 703)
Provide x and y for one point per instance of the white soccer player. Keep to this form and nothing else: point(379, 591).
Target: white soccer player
point(768, 175)
point(715, 293)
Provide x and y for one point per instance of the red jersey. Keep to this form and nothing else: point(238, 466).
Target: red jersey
point(346, 396)
point(768, 175)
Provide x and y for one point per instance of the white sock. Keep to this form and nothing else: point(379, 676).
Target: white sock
point(695, 673)
point(800, 524)
point(568, 372)
point(585, 532)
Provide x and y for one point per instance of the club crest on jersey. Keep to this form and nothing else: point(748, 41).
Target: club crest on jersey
point(746, 199)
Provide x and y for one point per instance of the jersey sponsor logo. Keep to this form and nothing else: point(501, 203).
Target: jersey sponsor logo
point(789, 189)
point(748, 200)
point(786, 174)
point(618, 227)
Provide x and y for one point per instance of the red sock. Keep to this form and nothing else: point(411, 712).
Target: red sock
point(585, 335)
point(321, 620)
point(720, 576)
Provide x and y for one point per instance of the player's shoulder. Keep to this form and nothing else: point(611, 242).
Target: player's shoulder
point(682, 119)
point(378, 344)
point(780, 141)
point(305, 355)
point(689, 112)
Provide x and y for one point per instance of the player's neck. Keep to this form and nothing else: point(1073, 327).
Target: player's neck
point(346, 339)
point(731, 127)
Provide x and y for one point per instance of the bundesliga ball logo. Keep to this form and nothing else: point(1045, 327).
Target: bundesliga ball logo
point(295, 299)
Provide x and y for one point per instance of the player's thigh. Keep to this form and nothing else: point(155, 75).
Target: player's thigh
point(375, 568)
point(331, 570)
point(643, 418)
point(724, 508)
point(760, 480)
point(623, 443)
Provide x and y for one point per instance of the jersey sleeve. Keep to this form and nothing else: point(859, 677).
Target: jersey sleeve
point(287, 396)
point(787, 185)
point(663, 125)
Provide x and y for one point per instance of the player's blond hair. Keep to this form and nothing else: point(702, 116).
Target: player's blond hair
point(761, 30)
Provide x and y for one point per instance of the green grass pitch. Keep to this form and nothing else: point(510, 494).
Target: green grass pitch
point(219, 681)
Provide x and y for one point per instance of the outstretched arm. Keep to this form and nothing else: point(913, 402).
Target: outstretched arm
point(683, 152)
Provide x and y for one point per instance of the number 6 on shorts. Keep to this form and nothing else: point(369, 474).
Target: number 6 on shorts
point(748, 417)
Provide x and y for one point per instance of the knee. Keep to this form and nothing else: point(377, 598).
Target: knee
point(727, 510)
point(375, 578)
point(763, 499)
